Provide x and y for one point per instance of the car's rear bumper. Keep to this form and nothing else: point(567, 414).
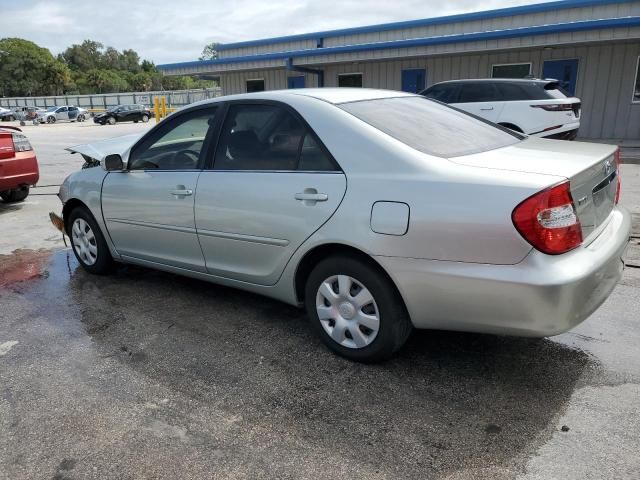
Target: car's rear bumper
point(541, 296)
point(19, 171)
point(566, 130)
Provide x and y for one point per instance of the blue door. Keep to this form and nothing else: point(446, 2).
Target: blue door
point(414, 80)
point(565, 71)
point(295, 82)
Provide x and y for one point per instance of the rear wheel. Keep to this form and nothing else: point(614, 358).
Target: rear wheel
point(111, 121)
point(356, 309)
point(88, 243)
point(145, 118)
point(14, 196)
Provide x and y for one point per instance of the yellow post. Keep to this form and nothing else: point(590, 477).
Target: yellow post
point(156, 108)
point(163, 106)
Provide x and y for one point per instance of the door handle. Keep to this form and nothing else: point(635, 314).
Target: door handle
point(313, 197)
point(181, 191)
point(489, 108)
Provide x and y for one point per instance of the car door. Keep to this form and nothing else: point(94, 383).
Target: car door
point(62, 113)
point(148, 209)
point(481, 99)
point(271, 186)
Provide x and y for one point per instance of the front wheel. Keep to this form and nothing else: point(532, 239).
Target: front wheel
point(88, 243)
point(145, 118)
point(356, 309)
point(51, 119)
point(111, 121)
point(15, 196)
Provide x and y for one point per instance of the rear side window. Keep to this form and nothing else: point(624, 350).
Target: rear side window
point(529, 91)
point(268, 137)
point(478, 92)
point(430, 127)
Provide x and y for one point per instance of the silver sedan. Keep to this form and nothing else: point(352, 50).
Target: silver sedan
point(378, 211)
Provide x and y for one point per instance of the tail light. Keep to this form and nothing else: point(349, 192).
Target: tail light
point(617, 157)
point(555, 107)
point(548, 220)
point(21, 143)
point(6, 147)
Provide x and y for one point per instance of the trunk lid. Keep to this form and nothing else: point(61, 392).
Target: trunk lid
point(589, 167)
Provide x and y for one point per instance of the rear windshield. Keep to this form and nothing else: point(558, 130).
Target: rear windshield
point(431, 127)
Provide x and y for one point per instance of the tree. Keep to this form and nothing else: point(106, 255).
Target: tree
point(27, 69)
point(210, 51)
point(85, 56)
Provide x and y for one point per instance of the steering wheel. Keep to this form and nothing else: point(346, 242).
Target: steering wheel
point(190, 155)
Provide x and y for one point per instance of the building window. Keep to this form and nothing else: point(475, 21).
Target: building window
point(350, 80)
point(636, 85)
point(256, 85)
point(511, 70)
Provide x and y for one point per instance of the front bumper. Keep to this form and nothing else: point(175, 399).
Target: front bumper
point(541, 296)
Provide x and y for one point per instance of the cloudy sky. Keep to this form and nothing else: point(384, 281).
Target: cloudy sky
point(176, 31)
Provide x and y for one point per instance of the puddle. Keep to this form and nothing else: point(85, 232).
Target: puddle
point(23, 265)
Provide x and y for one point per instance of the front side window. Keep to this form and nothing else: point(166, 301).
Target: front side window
point(636, 86)
point(430, 127)
point(178, 145)
point(443, 93)
point(350, 80)
point(267, 137)
point(514, 70)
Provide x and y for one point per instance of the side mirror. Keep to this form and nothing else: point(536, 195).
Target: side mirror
point(113, 163)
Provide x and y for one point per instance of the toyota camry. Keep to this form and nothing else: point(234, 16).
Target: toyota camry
point(378, 211)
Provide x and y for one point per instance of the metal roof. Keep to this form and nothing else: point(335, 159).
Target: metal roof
point(464, 17)
point(418, 42)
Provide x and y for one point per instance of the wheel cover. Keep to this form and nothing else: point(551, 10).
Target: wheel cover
point(347, 311)
point(84, 241)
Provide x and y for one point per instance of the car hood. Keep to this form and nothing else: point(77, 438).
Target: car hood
point(100, 149)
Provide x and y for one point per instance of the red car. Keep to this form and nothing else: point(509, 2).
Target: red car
point(18, 165)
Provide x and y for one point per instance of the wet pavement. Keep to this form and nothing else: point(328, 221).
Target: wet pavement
point(144, 374)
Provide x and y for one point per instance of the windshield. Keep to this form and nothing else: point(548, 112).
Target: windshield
point(113, 109)
point(431, 127)
point(52, 109)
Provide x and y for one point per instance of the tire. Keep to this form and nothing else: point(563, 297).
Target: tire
point(347, 277)
point(111, 121)
point(145, 118)
point(80, 118)
point(51, 119)
point(88, 243)
point(15, 196)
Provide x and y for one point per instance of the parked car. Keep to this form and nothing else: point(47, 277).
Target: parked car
point(379, 211)
point(7, 114)
point(64, 113)
point(18, 165)
point(536, 107)
point(123, 113)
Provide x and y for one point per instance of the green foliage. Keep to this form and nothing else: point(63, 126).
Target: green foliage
point(27, 69)
point(210, 51)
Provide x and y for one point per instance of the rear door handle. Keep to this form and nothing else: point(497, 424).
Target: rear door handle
point(313, 197)
point(183, 192)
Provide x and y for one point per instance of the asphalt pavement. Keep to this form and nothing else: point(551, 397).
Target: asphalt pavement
point(143, 374)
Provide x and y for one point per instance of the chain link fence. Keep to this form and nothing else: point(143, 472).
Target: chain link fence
point(97, 102)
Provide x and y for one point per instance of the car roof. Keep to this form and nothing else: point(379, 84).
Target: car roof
point(500, 80)
point(330, 95)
